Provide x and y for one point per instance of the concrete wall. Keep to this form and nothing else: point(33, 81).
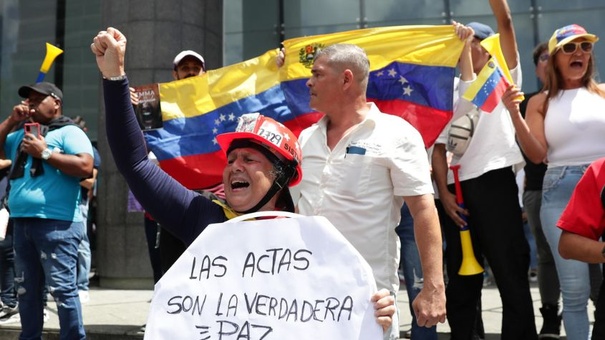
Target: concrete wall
point(156, 30)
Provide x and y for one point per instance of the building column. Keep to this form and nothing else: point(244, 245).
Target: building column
point(156, 31)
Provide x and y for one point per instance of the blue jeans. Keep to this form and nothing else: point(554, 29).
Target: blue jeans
point(84, 254)
point(559, 183)
point(412, 271)
point(84, 263)
point(46, 252)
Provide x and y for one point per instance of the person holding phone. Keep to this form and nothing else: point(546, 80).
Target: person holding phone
point(50, 160)
point(33, 128)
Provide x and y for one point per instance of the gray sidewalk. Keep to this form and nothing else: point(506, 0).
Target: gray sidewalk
point(492, 313)
point(110, 314)
point(119, 314)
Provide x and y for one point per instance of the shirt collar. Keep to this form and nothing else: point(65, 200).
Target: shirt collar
point(370, 117)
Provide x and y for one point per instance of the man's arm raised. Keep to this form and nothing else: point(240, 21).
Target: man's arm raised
point(508, 41)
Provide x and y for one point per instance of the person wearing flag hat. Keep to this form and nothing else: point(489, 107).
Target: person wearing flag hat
point(548, 281)
point(489, 190)
point(263, 160)
point(563, 127)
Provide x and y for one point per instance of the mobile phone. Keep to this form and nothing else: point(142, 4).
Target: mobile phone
point(33, 128)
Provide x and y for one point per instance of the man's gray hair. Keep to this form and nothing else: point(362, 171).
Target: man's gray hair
point(348, 56)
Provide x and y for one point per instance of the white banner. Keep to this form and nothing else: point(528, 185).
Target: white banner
point(273, 279)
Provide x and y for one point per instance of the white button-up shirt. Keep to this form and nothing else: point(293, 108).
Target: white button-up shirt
point(359, 184)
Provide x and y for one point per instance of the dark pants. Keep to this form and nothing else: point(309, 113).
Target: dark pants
point(152, 233)
point(497, 235)
point(598, 330)
point(548, 281)
point(171, 249)
point(8, 295)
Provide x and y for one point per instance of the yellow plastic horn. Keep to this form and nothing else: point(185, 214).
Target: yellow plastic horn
point(52, 52)
point(469, 265)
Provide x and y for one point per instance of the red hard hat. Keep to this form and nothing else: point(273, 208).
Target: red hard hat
point(269, 133)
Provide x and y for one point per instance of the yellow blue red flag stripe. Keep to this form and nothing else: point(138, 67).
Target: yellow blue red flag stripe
point(412, 71)
point(487, 90)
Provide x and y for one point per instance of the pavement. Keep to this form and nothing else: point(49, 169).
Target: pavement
point(110, 314)
point(119, 314)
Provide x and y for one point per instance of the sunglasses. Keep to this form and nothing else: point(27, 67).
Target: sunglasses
point(543, 57)
point(572, 47)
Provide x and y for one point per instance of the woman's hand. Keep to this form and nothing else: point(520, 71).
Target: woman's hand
point(384, 305)
point(511, 99)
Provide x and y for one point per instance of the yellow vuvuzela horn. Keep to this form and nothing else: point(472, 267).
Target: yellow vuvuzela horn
point(51, 53)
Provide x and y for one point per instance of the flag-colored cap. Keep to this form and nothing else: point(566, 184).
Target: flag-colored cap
point(568, 33)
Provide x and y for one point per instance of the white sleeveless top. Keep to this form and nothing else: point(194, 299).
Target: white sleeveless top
point(574, 127)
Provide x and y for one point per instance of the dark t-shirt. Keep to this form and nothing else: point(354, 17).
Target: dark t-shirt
point(534, 173)
point(97, 165)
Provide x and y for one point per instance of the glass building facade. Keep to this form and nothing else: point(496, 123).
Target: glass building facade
point(251, 28)
point(26, 28)
point(261, 24)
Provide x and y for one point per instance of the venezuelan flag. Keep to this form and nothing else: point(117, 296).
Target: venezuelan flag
point(411, 72)
point(487, 90)
point(196, 109)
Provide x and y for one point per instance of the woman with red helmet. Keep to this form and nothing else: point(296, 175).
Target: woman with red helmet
point(263, 159)
point(279, 146)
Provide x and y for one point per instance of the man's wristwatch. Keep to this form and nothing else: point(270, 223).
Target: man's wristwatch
point(46, 153)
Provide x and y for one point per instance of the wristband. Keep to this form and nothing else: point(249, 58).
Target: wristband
point(118, 78)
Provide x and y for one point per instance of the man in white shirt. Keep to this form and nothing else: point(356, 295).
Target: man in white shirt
point(359, 166)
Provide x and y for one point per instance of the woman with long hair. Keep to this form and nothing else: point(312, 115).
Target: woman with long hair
point(564, 127)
